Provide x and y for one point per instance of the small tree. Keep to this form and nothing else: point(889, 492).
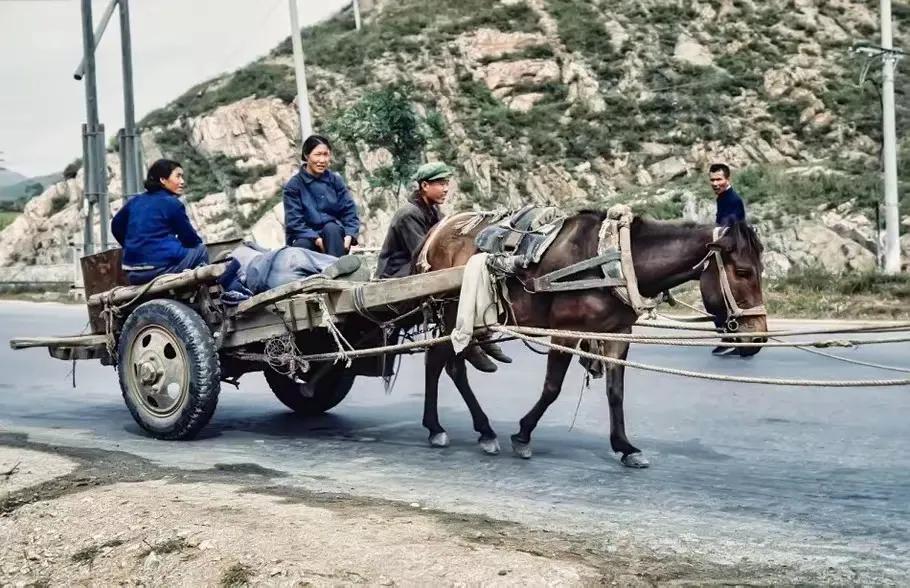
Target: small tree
point(385, 118)
point(34, 189)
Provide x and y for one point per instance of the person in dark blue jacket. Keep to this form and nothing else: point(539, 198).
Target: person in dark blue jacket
point(730, 206)
point(730, 210)
point(156, 235)
point(319, 212)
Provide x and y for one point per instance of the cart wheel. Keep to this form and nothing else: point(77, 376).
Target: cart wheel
point(323, 392)
point(169, 370)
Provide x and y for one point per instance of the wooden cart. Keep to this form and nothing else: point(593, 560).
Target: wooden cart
point(173, 342)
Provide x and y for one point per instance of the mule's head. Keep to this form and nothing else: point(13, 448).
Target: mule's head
point(731, 285)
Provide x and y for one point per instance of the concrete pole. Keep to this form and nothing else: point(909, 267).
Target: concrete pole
point(104, 206)
point(889, 152)
point(90, 153)
point(357, 14)
point(303, 101)
point(88, 238)
point(129, 150)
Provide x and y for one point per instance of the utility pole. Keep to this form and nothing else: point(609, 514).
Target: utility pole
point(130, 164)
point(889, 151)
point(357, 14)
point(303, 101)
point(95, 176)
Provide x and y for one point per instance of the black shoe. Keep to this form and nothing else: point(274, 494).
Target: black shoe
point(495, 351)
point(476, 357)
point(723, 350)
point(346, 264)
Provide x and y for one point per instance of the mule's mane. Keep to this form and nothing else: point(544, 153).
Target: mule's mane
point(741, 236)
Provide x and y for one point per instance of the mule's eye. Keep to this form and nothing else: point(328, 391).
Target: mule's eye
point(743, 272)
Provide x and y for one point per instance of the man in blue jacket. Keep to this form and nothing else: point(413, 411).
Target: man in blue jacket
point(319, 212)
point(730, 207)
point(730, 210)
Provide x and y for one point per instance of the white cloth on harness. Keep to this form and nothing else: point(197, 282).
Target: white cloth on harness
point(478, 303)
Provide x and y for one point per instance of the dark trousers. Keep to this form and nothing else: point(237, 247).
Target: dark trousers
point(194, 258)
point(332, 239)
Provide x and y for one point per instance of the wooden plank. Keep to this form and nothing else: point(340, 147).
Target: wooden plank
point(269, 322)
point(385, 292)
point(312, 283)
point(70, 341)
point(299, 312)
point(201, 275)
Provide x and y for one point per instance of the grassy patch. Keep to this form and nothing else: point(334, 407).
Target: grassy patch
point(235, 576)
point(7, 218)
point(801, 194)
point(581, 30)
point(816, 293)
point(402, 29)
point(88, 554)
point(201, 177)
point(257, 79)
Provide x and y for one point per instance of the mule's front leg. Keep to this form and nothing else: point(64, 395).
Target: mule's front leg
point(557, 366)
point(615, 377)
point(436, 359)
point(458, 372)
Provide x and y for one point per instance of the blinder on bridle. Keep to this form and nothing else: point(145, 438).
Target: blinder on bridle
point(734, 312)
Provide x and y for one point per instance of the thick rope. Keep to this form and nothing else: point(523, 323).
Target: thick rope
point(891, 368)
point(708, 376)
point(569, 334)
point(705, 316)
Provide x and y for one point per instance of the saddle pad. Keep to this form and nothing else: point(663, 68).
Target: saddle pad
point(528, 233)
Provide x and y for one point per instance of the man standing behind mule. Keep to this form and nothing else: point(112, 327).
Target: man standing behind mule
point(730, 206)
point(730, 210)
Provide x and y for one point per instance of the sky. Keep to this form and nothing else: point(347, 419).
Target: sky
point(176, 44)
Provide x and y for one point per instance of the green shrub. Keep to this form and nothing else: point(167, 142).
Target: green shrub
point(257, 79)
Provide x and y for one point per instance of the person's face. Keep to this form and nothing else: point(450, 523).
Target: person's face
point(175, 183)
point(719, 182)
point(436, 191)
point(318, 160)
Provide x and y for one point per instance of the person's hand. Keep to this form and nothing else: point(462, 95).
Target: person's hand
point(319, 244)
point(347, 242)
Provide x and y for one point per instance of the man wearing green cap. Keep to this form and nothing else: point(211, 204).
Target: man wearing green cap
point(414, 220)
point(407, 231)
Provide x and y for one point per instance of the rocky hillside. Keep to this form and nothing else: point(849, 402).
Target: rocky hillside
point(575, 102)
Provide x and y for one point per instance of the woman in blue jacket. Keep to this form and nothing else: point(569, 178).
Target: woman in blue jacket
point(319, 212)
point(156, 234)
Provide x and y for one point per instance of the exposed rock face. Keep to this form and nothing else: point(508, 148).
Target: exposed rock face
point(690, 51)
point(527, 72)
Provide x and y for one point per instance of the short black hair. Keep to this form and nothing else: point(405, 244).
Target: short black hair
point(312, 142)
point(160, 170)
point(720, 167)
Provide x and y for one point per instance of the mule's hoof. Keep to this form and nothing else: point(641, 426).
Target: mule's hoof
point(439, 440)
point(490, 446)
point(522, 450)
point(635, 460)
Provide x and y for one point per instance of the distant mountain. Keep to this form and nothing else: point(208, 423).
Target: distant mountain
point(22, 186)
point(8, 177)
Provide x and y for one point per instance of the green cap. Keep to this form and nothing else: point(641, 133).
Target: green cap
point(435, 170)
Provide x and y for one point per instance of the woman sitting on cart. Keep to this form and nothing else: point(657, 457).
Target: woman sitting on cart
point(156, 234)
point(319, 212)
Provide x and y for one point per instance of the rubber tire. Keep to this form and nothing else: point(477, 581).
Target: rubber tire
point(331, 389)
point(204, 369)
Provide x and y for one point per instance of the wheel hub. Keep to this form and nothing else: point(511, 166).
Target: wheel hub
point(158, 372)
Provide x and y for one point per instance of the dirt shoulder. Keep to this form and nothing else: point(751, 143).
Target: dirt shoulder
point(79, 516)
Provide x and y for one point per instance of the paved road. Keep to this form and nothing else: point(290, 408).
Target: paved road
point(792, 478)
